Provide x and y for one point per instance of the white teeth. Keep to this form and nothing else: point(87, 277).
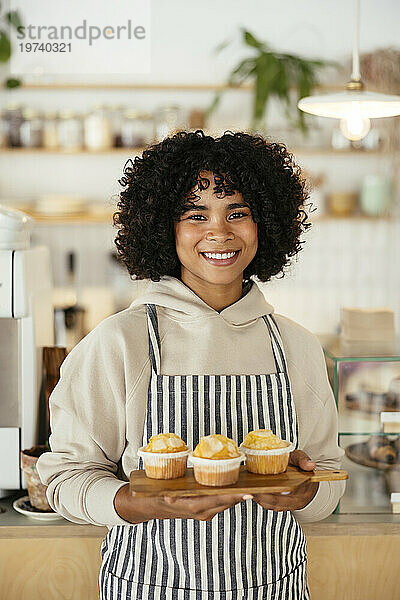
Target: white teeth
point(218, 255)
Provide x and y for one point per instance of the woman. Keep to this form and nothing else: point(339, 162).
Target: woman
point(199, 352)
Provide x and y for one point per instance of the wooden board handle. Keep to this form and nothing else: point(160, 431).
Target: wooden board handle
point(325, 475)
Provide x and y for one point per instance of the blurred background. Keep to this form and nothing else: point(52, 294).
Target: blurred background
point(65, 139)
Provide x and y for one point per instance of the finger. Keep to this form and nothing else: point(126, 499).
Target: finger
point(273, 501)
point(300, 459)
point(227, 501)
point(229, 498)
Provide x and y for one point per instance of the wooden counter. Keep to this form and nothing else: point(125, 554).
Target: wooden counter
point(352, 557)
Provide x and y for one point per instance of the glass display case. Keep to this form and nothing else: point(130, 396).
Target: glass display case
point(365, 378)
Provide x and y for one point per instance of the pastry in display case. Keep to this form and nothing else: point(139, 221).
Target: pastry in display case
point(378, 451)
point(366, 384)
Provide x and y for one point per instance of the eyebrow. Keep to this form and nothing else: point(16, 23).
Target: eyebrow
point(229, 206)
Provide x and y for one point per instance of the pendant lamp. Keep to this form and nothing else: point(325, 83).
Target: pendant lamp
point(355, 106)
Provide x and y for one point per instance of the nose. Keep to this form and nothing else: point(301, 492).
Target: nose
point(219, 230)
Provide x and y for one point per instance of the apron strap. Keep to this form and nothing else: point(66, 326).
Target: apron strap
point(277, 344)
point(154, 338)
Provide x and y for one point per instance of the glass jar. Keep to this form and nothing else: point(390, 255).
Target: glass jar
point(342, 204)
point(70, 133)
point(376, 195)
point(137, 129)
point(98, 133)
point(13, 120)
point(167, 121)
point(115, 112)
point(31, 129)
point(50, 131)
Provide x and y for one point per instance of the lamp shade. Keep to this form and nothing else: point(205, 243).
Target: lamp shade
point(339, 106)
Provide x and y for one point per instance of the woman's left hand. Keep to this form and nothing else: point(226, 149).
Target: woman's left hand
point(297, 499)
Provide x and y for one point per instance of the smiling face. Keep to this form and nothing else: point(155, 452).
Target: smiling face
point(217, 224)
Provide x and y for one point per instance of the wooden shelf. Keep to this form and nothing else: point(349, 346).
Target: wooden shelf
point(69, 152)
point(353, 218)
point(332, 152)
point(135, 151)
point(104, 217)
point(152, 86)
point(101, 216)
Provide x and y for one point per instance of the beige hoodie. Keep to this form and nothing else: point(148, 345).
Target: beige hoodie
point(98, 406)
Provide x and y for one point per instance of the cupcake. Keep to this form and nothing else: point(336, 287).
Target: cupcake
point(266, 453)
point(165, 456)
point(216, 460)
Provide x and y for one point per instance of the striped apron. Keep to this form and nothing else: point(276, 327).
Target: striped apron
point(245, 551)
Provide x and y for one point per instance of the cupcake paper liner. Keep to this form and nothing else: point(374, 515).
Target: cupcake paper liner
point(216, 472)
point(164, 465)
point(267, 462)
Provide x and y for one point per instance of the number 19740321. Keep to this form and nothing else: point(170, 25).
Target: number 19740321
point(45, 47)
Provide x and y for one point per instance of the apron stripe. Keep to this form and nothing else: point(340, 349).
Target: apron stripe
point(185, 551)
point(219, 555)
point(132, 553)
point(196, 564)
point(176, 556)
point(167, 567)
point(249, 395)
point(195, 400)
point(245, 551)
point(208, 423)
point(171, 405)
point(216, 394)
point(184, 413)
point(200, 399)
point(244, 508)
point(127, 552)
point(260, 404)
point(227, 395)
point(270, 389)
point(260, 558)
point(145, 543)
point(233, 546)
point(281, 415)
point(253, 542)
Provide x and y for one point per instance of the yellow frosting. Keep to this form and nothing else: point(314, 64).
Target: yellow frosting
point(165, 442)
point(263, 439)
point(216, 446)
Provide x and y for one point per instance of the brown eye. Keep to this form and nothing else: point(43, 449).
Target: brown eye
point(194, 217)
point(239, 214)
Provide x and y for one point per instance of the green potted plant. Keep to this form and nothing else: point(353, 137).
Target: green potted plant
point(286, 77)
point(8, 19)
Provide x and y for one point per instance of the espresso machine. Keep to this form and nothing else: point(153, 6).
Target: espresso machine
point(26, 326)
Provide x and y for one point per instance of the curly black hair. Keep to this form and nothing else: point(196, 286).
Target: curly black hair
point(160, 185)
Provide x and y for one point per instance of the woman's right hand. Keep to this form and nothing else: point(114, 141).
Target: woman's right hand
point(202, 508)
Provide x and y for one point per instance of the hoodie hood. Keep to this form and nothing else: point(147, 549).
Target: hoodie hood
point(183, 304)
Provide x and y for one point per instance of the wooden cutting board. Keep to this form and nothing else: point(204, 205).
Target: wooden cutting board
point(142, 486)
